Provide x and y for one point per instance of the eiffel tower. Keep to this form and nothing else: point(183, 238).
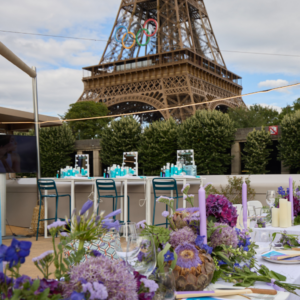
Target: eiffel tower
point(161, 54)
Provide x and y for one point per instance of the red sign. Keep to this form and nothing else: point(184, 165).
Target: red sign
point(273, 130)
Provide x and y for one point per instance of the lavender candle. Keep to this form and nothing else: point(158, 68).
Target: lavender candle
point(202, 210)
point(244, 202)
point(291, 197)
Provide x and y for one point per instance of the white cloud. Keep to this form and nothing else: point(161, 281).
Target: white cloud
point(275, 107)
point(273, 83)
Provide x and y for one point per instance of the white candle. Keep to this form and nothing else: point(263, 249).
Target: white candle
point(275, 217)
point(289, 216)
point(283, 211)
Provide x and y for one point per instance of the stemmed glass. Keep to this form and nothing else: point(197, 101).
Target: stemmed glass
point(270, 198)
point(141, 254)
point(122, 236)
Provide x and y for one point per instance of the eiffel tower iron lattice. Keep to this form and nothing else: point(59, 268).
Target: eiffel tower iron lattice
point(180, 63)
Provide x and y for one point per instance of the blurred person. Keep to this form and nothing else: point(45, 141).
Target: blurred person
point(9, 157)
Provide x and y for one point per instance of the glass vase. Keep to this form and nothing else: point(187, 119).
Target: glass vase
point(166, 285)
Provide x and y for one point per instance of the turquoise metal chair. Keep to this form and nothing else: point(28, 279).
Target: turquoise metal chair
point(162, 185)
point(49, 185)
point(110, 185)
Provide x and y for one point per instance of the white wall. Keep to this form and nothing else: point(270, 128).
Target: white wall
point(21, 196)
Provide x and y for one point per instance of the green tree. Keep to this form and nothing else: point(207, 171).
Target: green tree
point(289, 142)
point(257, 151)
point(210, 134)
point(255, 116)
point(158, 146)
point(56, 148)
point(87, 129)
point(233, 189)
point(290, 109)
point(121, 135)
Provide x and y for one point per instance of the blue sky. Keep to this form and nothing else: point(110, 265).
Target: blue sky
point(269, 26)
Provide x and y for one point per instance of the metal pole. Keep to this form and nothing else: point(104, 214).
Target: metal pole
point(36, 125)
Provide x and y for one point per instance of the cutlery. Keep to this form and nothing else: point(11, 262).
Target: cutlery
point(223, 292)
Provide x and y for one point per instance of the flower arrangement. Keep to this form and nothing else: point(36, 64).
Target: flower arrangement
point(228, 254)
point(97, 278)
point(260, 223)
point(285, 194)
point(287, 241)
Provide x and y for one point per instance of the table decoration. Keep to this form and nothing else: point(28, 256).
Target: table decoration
point(244, 202)
point(230, 249)
point(294, 204)
point(288, 241)
point(98, 277)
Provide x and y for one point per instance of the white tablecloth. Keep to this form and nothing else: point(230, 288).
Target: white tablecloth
point(290, 271)
point(264, 234)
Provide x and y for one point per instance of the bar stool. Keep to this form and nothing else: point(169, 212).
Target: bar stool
point(164, 184)
point(110, 185)
point(49, 185)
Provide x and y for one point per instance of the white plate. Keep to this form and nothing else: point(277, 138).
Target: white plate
point(283, 262)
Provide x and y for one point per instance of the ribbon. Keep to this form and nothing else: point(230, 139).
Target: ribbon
point(274, 286)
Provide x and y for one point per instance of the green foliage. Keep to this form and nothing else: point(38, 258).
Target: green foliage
point(289, 142)
point(210, 134)
point(290, 109)
point(233, 190)
point(158, 146)
point(161, 259)
point(87, 129)
point(56, 147)
point(257, 151)
point(254, 116)
point(122, 135)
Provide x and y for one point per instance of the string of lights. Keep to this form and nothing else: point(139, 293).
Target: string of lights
point(158, 110)
point(99, 40)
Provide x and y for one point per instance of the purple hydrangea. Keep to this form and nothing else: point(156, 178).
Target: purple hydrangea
point(187, 256)
point(225, 235)
point(219, 207)
point(119, 282)
point(184, 235)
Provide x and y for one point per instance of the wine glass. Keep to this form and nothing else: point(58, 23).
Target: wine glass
point(270, 198)
point(141, 254)
point(121, 237)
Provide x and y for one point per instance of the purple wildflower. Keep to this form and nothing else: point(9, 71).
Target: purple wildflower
point(165, 214)
point(187, 256)
point(163, 197)
point(21, 280)
point(141, 224)
point(56, 224)
point(150, 284)
point(169, 256)
point(184, 235)
point(96, 253)
point(76, 296)
point(64, 234)
point(185, 186)
point(3, 249)
point(17, 252)
point(113, 214)
point(86, 206)
point(42, 256)
point(109, 224)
